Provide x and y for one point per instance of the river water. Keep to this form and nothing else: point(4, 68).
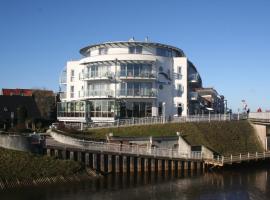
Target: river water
point(233, 184)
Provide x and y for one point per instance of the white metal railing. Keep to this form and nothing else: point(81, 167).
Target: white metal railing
point(97, 75)
point(126, 149)
point(143, 92)
point(161, 120)
point(98, 93)
point(244, 157)
point(260, 116)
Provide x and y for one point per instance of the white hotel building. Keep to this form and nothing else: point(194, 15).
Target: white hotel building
point(127, 79)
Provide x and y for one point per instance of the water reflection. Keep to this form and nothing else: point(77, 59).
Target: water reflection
point(231, 184)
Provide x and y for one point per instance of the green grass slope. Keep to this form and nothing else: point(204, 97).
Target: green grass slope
point(24, 166)
point(224, 137)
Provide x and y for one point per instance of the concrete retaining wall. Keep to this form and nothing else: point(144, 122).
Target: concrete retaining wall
point(15, 142)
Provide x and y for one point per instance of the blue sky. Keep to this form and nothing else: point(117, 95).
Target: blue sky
point(228, 41)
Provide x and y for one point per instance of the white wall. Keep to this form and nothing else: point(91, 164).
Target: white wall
point(181, 62)
point(167, 94)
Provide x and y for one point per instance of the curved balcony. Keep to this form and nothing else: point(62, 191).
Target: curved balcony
point(145, 93)
point(140, 76)
point(98, 94)
point(193, 96)
point(63, 77)
point(63, 95)
point(194, 78)
point(97, 76)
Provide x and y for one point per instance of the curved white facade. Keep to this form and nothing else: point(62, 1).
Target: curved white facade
point(129, 79)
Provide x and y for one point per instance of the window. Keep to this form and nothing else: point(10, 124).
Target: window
point(136, 70)
point(72, 91)
point(179, 90)
point(164, 52)
point(179, 70)
point(160, 69)
point(103, 51)
point(135, 50)
point(72, 75)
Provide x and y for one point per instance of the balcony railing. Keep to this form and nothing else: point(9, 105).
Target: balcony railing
point(95, 76)
point(146, 75)
point(194, 78)
point(138, 93)
point(63, 95)
point(193, 96)
point(99, 93)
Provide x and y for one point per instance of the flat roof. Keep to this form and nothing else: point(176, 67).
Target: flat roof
point(129, 43)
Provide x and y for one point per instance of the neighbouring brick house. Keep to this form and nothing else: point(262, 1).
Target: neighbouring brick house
point(34, 101)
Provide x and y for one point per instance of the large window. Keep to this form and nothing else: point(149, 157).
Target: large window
point(135, 109)
point(101, 108)
point(137, 89)
point(71, 109)
point(98, 71)
point(135, 49)
point(164, 52)
point(99, 89)
point(137, 70)
point(103, 51)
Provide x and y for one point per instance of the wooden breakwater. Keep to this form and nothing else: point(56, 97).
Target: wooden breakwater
point(43, 181)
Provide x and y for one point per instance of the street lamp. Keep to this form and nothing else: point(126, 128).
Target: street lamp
point(164, 111)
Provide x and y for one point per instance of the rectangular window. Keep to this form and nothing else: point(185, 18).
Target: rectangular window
point(180, 90)
point(164, 52)
point(72, 91)
point(72, 75)
point(103, 51)
point(179, 70)
point(135, 50)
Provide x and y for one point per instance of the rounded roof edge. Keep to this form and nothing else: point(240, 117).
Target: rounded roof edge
point(124, 43)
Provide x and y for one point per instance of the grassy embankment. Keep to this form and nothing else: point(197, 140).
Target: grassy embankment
point(224, 137)
point(20, 166)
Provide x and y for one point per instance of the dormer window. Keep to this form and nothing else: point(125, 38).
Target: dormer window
point(135, 50)
point(103, 51)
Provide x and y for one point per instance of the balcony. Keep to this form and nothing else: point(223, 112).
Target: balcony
point(194, 78)
point(97, 76)
point(99, 94)
point(193, 96)
point(63, 95)
point(145, 93)
point(140, 76)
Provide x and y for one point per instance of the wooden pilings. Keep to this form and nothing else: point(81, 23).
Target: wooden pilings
point(124, 164)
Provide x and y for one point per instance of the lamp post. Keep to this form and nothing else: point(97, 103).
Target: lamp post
point(164, 111)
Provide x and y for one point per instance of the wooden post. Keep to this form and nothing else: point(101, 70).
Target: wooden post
point(48, 152)
point(117, 167)
point(153, 165)
point(102, 163)
point(87, 159)
point(71, 155)
point(139, 164)
point(131, 164)
point(124, 164)
point(166, 165)
point(110, 163)
point(159, 165)
point(94, 160)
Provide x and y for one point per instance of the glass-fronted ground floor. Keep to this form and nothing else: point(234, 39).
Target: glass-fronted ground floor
point(93, 109)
